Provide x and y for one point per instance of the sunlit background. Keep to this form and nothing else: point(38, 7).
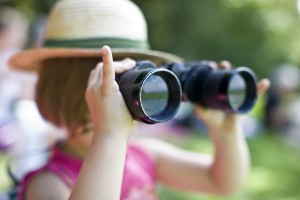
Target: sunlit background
point(261, 34)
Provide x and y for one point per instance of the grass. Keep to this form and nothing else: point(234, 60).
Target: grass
point(5, 181)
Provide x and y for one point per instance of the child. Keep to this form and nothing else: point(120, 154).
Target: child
point(77, 90)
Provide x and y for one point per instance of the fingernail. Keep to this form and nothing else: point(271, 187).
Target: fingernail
point(104, 50)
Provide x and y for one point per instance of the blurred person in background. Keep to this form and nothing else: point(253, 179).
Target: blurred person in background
point(13, 36)
point(22, 130)
point(285, 87)
point(282, 110)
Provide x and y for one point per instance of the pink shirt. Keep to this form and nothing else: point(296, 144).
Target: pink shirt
point(138, 180)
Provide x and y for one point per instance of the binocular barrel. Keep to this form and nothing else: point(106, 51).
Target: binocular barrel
point(228, 90)
point(153, 95)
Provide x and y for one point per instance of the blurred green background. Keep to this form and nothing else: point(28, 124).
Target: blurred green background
point(260, 34)
point(254, 33)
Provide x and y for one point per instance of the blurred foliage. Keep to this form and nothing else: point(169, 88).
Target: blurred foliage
point(31, 8)
point(254, 33)
point(5, 181)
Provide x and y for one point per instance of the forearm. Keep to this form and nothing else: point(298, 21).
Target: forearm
point(231, 162)
point(102, 172)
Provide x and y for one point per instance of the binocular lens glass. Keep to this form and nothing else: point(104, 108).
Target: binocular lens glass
point(154, 95)
point(236, 91)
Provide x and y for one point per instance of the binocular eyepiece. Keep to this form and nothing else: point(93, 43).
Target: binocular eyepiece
point(153, 94)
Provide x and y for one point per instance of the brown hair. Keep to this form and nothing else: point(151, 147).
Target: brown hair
point(60, 91)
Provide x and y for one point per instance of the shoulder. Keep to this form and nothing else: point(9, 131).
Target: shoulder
point(46, 185)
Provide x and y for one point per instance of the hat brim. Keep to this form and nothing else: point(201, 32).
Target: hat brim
point(31, 60)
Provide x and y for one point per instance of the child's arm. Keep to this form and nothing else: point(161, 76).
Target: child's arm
point(102, 171)
point(223, 173)
point(190, 171)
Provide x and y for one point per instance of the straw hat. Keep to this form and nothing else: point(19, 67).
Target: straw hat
point(79, 28)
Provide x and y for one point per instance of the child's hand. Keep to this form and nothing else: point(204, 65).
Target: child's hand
point(219, 120)
point(107, 108)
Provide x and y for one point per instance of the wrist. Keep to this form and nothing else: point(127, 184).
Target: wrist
point(113, 130)
point(228, 128)
point(110, 137)
point(225, 123)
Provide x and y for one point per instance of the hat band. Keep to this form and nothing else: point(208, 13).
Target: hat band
point(97, 43)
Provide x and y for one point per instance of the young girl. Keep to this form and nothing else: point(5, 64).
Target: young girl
point(77, 90)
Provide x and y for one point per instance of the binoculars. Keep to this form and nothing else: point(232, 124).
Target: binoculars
point(153, 94)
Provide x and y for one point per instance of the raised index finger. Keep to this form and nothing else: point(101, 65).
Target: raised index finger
point(108, 68)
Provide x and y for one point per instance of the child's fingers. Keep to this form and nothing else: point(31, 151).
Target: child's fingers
point(263, 85)
point(108, 69)
point(124, 65)
point(94, 76)
point(224, 64)
point(213, 64)
point(92, 79)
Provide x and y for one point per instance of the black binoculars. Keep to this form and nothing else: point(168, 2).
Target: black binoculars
point(153, 94)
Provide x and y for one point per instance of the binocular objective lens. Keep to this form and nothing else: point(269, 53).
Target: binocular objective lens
point(236, 91)
point(154, 95)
